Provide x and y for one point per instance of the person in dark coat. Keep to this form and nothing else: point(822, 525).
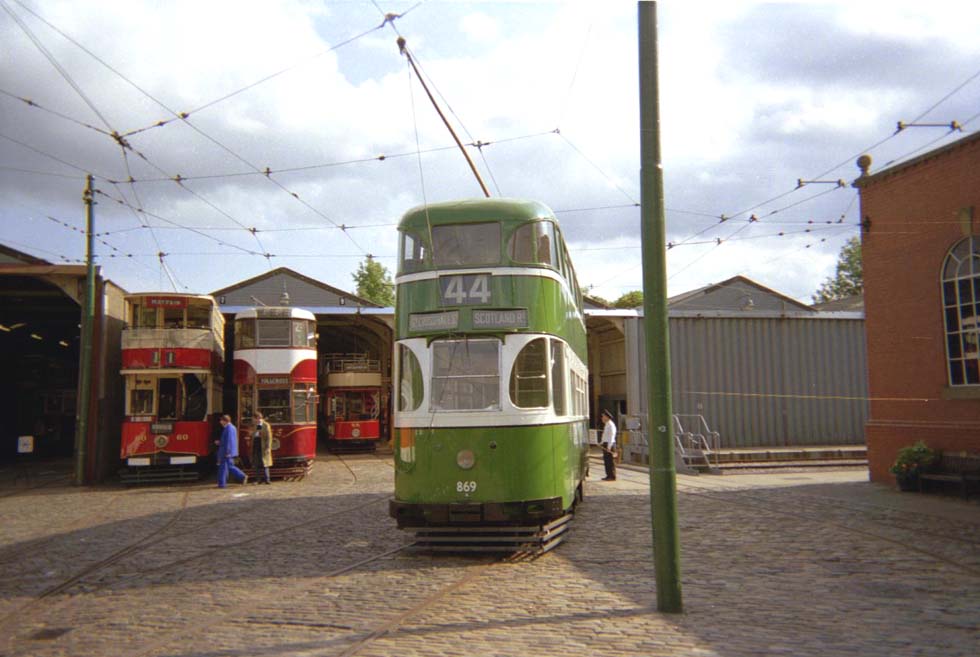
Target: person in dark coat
point(227, 451)
point(262, 448)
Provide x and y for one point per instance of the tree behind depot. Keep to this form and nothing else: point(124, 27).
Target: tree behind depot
point(374, 283)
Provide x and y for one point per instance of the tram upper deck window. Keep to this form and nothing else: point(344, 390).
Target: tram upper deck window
point(304, 334)
point(198, 316)
point(144, 317)
point(466, 244)
point(534, 243)
point(173, 318)
point(245, 334)
point(412, 254)
point(273, 332)
point(465, 375)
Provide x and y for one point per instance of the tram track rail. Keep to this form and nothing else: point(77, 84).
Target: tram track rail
point(742, 497)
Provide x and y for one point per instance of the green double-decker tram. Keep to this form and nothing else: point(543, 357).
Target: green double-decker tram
point(491, 400)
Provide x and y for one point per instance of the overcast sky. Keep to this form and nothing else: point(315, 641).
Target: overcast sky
point(753, 97)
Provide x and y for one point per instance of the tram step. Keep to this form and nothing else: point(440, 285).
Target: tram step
point(157, 475)
point(493, 538)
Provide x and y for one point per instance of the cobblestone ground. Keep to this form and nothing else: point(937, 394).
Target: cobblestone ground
point(800, 563)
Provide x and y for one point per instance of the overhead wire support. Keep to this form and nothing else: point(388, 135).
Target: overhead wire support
point(952, 125)
point(403, 49)
point(839, 182)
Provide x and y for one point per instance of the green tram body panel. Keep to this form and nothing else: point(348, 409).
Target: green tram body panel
point(520, 472)
point(545, 300)
point(510, 464)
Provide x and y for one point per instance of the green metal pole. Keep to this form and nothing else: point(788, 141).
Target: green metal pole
point(663, 482)
point(85, 367)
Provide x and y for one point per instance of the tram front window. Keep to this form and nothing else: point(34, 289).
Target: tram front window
point(140, 402)
point(304, 403)
point(409, 380)
point(274, 332)
point(198, 316)
point(529, 378)
point(274, 404)
point(167, 408)
point(466, 244)
point(465, 375)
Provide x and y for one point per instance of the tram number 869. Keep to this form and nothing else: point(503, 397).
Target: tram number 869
point(465, 486)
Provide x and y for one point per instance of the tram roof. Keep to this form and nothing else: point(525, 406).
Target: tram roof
point(274, 312)
point(172, 295)
point(319, 310)
point(477, 211)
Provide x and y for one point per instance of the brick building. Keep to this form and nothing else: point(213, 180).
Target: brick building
point(921, 254)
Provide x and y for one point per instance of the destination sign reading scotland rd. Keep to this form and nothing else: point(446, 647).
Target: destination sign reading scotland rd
point(514, 318)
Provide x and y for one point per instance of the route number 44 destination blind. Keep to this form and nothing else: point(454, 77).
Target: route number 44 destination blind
point(465, 289)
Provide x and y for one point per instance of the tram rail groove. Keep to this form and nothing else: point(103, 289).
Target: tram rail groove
point(714, 492)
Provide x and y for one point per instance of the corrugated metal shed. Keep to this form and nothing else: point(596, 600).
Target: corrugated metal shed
point(763, 379)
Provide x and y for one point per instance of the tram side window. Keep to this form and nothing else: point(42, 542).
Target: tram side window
point(529, 378)
point(580, 398)
point(412, 254)
point(558, 378)
point(534, 243)
point(410, 384)
point(273, 333)
point(304, 403)
point(465, 375)
point(245, 334)
point(466, 244)
point(274, 404)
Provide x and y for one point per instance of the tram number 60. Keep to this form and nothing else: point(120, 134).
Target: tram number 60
point(465, 486)
point(465, 290)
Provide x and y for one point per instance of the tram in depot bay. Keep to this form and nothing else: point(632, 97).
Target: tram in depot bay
point(353, 401)
point(490, 416)
point(275, 369)
point(173, 365)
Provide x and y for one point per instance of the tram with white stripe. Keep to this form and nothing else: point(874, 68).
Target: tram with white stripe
point(491, 403)
point(275, 370)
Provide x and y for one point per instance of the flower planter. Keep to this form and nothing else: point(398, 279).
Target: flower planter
point(907, 482)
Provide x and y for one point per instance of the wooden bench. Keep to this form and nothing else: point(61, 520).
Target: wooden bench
point(961, 468)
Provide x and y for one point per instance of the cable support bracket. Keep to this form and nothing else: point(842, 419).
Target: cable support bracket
point(840, 182)
point(952, 125)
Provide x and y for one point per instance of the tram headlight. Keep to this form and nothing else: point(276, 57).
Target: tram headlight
point(465, 459)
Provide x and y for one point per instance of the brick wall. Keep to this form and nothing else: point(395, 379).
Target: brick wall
point(915, 213)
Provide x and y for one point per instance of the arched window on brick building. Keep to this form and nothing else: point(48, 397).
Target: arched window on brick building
point(961, 310)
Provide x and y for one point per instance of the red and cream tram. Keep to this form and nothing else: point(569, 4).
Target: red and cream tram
point(173, 364)
point(353, 407)
point(275, 371)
